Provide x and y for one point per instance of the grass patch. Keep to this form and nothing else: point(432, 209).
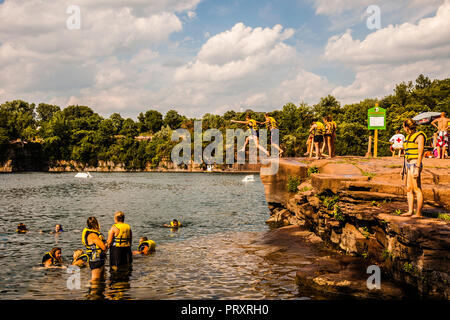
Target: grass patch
point(436, 215)
point(304, 189)
point(293, 183)
point(337, 213)
point(329, 200)
point(393, 166)
point(397, 212)
point(312, 170)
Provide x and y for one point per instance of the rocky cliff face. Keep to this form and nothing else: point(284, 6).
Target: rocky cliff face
point(353, 205)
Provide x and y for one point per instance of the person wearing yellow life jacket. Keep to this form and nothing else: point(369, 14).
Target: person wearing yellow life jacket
point(173, 224)
point(145, 246)
point(253, 127)
point(414, 146)
point(93, 241)
point(318, 129)
point(80, 259)
point(327, 135)
point(333, 136)
point(21, 228)
point(274, 132)
point(52, 258)
point(119, 242)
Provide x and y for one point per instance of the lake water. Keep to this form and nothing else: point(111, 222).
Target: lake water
point(202, 260)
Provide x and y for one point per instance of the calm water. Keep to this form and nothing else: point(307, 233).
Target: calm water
point(204, 259)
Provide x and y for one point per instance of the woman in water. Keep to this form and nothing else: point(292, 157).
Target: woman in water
point(58, 229)
point(52, 258)
point(93, 240)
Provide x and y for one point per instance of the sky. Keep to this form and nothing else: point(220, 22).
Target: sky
point(211, 56)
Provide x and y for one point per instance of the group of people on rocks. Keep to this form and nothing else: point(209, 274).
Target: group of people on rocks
point(439, 146)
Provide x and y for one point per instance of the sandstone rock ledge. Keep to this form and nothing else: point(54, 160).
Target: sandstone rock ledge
point(353, 204)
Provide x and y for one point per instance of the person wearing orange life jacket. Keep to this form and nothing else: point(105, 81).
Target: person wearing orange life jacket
point(414, 146)
point(119, 242)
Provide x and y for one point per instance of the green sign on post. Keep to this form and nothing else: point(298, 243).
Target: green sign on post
point(376, 118)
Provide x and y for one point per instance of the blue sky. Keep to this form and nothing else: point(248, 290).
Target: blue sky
point(201, 56)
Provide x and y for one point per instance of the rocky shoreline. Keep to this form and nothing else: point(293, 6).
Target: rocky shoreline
point(353, 204)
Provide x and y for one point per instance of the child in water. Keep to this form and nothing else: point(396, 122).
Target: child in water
point(145, 246)
point(52, 258)
point(80, 259)
point(173, 224)
point(58, 229)
point(21, 228)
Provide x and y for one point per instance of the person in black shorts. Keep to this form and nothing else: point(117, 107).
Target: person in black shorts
point(93, 240)
point(318, 129)
point(119, 242)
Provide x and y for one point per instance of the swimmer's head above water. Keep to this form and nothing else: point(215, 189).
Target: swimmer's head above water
point(21, 228)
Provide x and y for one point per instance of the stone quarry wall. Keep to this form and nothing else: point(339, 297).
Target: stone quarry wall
point(354, 207)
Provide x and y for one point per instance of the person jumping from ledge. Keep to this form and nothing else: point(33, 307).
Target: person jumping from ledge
point(253, 126)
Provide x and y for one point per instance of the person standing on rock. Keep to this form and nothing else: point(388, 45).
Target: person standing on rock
point(442, 140)
point(397, 143)
point(318, 129)
point(414, 145)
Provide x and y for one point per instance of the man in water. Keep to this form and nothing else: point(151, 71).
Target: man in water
point(119, 242)
point(442, 140)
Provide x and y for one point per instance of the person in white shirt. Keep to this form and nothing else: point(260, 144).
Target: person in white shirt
point(397, 143)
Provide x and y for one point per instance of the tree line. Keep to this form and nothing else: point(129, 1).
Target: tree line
point(78, 133)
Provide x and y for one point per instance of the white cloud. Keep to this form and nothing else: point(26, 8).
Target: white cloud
point(430, 38)
point(392, 55)
point(347, 13)
point(191, 14)
point(237, 53)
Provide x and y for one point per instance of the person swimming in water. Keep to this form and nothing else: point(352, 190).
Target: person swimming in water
point(52, 258)
point(173, 224)
point(21, 228)
point(58, 229)
point(80, 259)
point(145, 247)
